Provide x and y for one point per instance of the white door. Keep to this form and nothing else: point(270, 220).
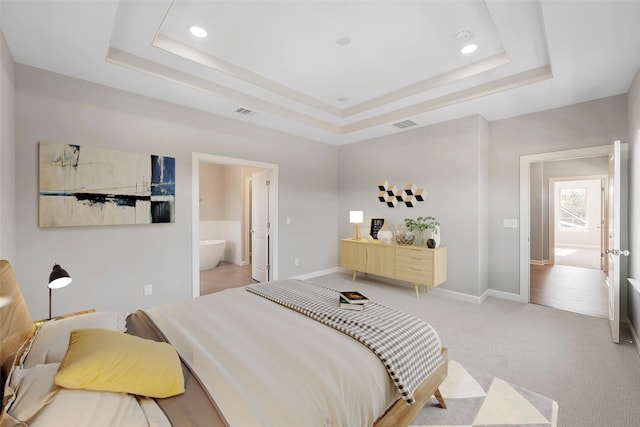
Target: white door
point(613, 245)
point(260, 226)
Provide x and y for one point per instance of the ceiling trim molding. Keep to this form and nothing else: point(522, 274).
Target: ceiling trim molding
point(125, 59)
point(516, 80)
point(213, 62)
point(431, 83)
point(128, 60)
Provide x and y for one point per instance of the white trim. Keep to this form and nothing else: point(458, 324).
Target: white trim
point(318, 273)
point(246, 232)
point(636, 340)
point(539, 261)
point(195, 209)
point(502, 295)
point(525, 177)
point(457, 295)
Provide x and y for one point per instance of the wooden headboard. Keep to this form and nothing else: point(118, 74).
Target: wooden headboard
point(16, 323)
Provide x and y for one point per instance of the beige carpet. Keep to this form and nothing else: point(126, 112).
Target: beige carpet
point(566, 356)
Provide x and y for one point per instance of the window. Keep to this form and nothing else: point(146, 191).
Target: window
point(573, 209)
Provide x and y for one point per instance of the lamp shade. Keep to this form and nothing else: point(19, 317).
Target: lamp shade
point(356, 217)
point(59, 278)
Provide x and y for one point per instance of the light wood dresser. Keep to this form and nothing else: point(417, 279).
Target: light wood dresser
point(415, 264)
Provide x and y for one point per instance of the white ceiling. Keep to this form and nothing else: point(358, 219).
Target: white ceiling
point(280, 59)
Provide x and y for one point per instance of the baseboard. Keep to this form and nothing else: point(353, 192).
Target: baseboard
point(539, 261)
point(636, 340)
point(457, 295)
point(313, 274)
point(502, 295)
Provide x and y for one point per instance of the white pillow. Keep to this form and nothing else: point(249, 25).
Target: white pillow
point(38, 402)
point(49, 343)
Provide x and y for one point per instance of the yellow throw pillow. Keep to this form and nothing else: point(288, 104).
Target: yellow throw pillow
point(104, 360)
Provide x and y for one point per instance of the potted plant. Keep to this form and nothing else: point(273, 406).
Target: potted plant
point(419, 225)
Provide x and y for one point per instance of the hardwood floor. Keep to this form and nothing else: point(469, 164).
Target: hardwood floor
point(224, 276)
point(576, 289)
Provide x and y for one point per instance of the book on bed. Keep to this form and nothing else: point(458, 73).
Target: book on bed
point(350, 306)
point(354, 297)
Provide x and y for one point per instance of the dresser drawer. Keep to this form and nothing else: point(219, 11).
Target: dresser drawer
point(414, 265)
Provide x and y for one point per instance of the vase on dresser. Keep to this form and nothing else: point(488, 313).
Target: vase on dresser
point(435, 236)
point(385, 235)
point(404, 236)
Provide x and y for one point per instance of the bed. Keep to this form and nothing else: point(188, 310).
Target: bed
point(234, 358)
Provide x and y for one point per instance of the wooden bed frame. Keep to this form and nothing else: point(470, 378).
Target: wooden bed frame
point(17, 325)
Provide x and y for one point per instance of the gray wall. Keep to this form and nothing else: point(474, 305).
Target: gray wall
point(588, 124)
point(111, 264)
point(7, 154)
point(633, 299)
point(450, 161)
point(212, 192)
point(537, 213)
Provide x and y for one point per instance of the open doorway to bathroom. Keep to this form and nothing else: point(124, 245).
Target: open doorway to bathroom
point(234, 242)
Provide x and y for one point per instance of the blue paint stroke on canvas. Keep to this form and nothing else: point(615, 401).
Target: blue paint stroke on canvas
point(163, 188)
point(163, 176)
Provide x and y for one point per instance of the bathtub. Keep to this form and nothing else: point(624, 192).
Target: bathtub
point(211, 253)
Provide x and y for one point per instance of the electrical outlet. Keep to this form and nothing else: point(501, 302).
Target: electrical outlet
point(296, 261)
point(148, 289)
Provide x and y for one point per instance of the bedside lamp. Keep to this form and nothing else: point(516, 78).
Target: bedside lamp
point(59, 278)
point(356, 218)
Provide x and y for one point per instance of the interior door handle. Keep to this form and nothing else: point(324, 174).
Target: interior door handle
point(617, 252)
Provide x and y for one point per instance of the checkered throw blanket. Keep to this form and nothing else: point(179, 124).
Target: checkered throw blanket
point(408, 347)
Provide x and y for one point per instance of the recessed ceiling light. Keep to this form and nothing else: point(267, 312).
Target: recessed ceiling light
point(470, 48)
point(343, 98)
point(343, 41)
point(198, 32)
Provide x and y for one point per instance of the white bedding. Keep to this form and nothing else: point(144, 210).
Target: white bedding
point(266, 365)
point(34, 400)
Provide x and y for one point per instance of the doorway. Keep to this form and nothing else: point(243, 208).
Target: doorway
point(231, 219)
point(566, 223)
point(528, 238)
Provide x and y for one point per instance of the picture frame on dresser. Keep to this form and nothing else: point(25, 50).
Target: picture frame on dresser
point(376, 225)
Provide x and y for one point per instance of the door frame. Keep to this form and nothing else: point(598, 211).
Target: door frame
point(196, 158)
point(525, 224)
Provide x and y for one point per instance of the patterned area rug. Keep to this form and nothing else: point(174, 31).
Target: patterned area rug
point(483, 400)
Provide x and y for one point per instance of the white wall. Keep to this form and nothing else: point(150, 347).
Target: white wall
point(7, 154)
point(111, 264)
point(537, 213)
point(450, 161)
point(588, 124)
point(633, 298)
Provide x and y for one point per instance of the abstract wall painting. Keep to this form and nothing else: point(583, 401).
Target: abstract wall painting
point(86, 186)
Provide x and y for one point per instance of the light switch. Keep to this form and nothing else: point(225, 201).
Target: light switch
point(288, 220)
point(510, 223)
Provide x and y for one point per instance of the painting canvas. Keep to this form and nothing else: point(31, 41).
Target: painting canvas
point(83, 186)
